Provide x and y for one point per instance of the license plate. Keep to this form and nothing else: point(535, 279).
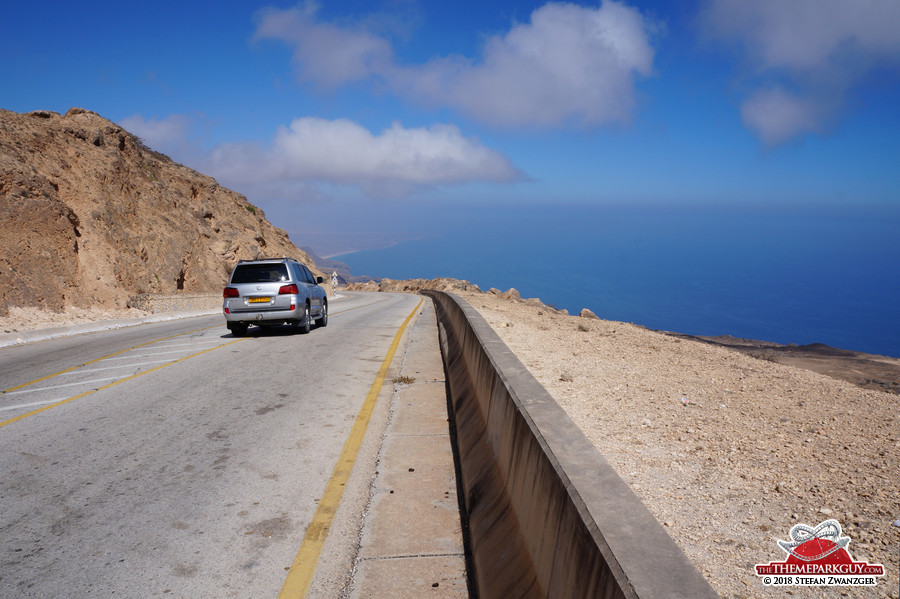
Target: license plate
point(259, 300)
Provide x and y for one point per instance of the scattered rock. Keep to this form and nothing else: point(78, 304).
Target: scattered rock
point(512, 294)
point(585, 313)
point(42, 114)
point(414, 285)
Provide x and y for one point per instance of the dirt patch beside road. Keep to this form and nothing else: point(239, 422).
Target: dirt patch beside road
point(29, 319)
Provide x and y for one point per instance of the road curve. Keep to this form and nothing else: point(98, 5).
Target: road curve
point(172, 459)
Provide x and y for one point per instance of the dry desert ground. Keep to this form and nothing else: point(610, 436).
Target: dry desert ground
point(728, 451)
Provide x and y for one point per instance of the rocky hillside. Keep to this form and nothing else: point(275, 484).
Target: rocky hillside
point(92, 217)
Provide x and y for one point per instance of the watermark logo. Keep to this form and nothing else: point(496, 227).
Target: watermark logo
point(818, 557)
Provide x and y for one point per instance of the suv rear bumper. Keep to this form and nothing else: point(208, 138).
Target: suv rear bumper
point(255, 316)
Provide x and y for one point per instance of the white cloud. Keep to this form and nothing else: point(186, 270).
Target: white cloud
point(568, 65)
point(325, 54)
point(391, 163)
point(824, 47)
point(809, 34)
point(312, 151)
point(163, 134)
point(776, 116)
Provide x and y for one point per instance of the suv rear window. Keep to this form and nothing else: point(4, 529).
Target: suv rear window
point(259, 273)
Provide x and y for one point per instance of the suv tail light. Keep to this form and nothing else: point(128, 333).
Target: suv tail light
point(285, 289)
point(230, 292)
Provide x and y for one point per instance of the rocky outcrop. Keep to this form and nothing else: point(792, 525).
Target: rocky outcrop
point(92, 217)
point(511, 293)
point(414, 285)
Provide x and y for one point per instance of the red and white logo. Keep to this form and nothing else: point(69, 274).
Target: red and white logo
point(818, 557)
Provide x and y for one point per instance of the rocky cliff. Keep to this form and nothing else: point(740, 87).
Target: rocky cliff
point(92, 217)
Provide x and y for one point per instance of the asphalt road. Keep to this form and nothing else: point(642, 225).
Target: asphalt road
point(183, 462)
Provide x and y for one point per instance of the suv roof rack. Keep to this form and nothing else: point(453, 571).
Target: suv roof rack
point(262, 259)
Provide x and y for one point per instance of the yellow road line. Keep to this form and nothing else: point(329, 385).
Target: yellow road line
point(304, 567)
point(134, 376)
point(50, 376)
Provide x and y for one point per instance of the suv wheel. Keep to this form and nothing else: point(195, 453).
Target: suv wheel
point(238, 329)
point(323, 320)
point(305, 325)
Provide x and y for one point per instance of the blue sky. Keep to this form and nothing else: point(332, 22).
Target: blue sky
point(355, 119)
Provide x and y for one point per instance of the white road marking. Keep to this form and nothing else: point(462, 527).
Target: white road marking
point(112, 378)
point(115, 367)
point(164, 353)
point(167, 345)
point(30, 405)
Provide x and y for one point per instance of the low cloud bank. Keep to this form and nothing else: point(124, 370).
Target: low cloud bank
point(392, 163)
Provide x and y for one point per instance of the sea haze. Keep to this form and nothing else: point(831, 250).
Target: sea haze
point(793, 276)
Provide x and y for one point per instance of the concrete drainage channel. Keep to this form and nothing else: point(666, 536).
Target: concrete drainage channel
point(548, 516)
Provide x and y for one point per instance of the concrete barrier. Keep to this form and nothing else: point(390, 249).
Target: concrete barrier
point(547, 515)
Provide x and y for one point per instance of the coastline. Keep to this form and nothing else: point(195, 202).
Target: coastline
point(867, 371)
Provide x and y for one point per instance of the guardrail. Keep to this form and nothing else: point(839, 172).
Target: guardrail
point(548, 516)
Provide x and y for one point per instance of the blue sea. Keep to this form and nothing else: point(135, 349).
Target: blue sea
point(799, 276)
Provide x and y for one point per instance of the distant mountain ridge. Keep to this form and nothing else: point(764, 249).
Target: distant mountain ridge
point(335, 266)
point(92, 217)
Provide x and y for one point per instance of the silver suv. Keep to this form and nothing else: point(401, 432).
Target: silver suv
point(273, 291)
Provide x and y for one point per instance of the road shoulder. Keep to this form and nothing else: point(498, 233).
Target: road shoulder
point(397, 533)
